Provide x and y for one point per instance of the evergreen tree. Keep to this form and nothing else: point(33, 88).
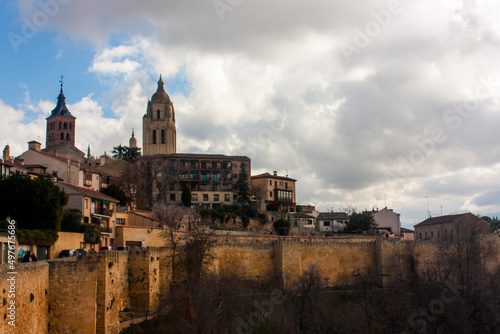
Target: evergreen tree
point(243, 195)
point(186, 196)
point(116, 192)
point(32, 203)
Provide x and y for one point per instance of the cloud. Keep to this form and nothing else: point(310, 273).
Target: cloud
point(413, 113)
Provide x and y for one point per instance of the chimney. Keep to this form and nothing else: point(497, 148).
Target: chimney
point(275, 173)
point(34, 145)
point(6, 153)
point(21, 161)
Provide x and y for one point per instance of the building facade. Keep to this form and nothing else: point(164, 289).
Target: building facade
point(276, 192)
point(386, 220)
point(450, 227)
point(211, 178)
point(332, 221)
point(158, 124)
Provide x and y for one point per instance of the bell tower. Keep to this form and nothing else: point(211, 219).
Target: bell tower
point(60, 123)
point(158, 124)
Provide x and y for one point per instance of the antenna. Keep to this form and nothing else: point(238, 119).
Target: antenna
point(286, 172)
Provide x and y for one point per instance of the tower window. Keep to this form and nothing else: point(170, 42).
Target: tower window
point(67, 136)
point(65, 126)
point(163, 136)
point(60, 125)
point(71, 126)
point(62, 136)
point(154, 136)
point(158, 113)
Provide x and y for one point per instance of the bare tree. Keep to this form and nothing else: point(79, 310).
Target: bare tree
point(198, 247)
point(170, 218)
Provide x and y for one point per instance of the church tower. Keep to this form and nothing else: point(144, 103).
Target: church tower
point(158, 124)
point(60, 124)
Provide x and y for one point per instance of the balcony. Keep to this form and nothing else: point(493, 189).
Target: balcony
point(106, 230)
point(102, 212)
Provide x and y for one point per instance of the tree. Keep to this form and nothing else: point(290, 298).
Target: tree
point(243, 195)
point(198, 247)
point(116, 192)
point(282, 226)
point(119, 151)
point(131, 153)
point(363, 221)
point(72, 221)
point(186, 196)
point(32, 203)
point(170, 217)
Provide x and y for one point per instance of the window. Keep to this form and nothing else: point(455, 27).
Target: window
point(270, 194)
point(235, 197)
point(270, 182)
point(60, 125)
point(62, 136)
point(451, 235)
point(275, 184)
point(158, 113)
point(214, 177)
point(203, 177)
point(120, 221)
point(308, 222)
point(163, 136)
point(216, 197)
point(432, 234)
point(326, 223)
point(172, 197)
point(205, 197)
point(65, 125)
point(420, 235)
point(154, 136)
point(286, 185)
point(227, 198)
point(71, 126)
point(194, 197)
point(235, 164)
point(67, 136)
point(244, 165)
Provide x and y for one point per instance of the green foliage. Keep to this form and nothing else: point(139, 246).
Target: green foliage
point(36, 237)
point(298, 208)
point(92, 234)
point(33, 203)
point(72, 221)
point(243, 195)
point(186, 196)
point(362, 221)
point(126, 153)
point(115, 191)
point(493, 221)
point(282, 226)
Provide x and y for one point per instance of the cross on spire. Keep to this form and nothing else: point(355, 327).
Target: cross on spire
point(61, 81)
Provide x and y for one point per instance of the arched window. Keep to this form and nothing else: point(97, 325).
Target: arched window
point(154, 136)
point(67, 136)
point(60, 125)
point(158, 113)
point(62, 136)
point(163, 136)
point(65, 125)
point(71, 126)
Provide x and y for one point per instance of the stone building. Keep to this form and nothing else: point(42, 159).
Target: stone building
point(158, 124)
point(61, 129)
point(276, 192)
point(450, 227)
point(211, 178)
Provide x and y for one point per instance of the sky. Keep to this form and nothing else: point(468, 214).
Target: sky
point(365, 103)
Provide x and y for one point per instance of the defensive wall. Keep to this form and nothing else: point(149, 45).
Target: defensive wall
point(86, 294)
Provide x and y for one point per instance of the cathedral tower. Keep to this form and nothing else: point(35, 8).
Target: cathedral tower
point(158, 124)
point(60, 124)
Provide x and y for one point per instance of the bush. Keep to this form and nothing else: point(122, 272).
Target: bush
point(282, 226)
point(36, 237)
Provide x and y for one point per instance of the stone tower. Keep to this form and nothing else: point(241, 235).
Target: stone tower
point(158, 124)
point(133, 141)
point(60, 124)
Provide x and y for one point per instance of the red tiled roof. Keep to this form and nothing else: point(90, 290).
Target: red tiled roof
point(441, 219)
point(90, 192)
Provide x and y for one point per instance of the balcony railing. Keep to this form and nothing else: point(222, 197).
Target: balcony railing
point(103, 212)
point(106, 230)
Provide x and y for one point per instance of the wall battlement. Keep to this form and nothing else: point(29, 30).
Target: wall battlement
point(86, 294)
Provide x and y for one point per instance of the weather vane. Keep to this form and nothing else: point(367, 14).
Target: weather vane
point(61, 81)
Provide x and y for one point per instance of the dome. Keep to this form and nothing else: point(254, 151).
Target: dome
point(160, 95)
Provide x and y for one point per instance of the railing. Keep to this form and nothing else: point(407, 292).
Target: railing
point(106, 230)
point(103, 212)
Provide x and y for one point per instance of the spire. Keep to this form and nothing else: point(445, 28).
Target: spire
point(132, 142)
point(160, 85)
point(88, 152)
point(61, 109)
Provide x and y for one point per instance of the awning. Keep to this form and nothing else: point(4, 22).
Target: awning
point(106, 202)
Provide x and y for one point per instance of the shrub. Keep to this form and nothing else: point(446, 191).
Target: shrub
point(282, 226)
